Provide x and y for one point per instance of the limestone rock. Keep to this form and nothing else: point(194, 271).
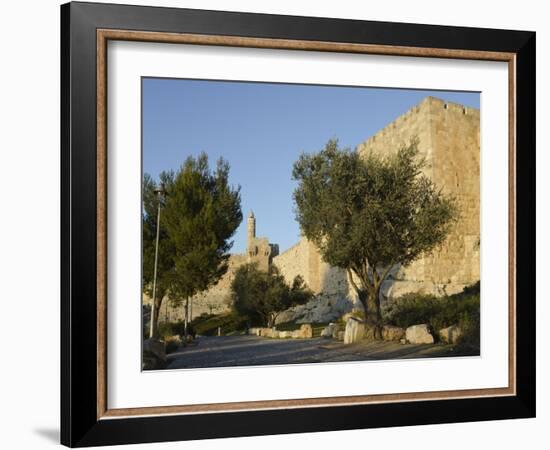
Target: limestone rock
point(266, 332)
point(392, 333)
point(340, 335)
point(322, 308)
point(306, 331)
point(355, 330)
point(329, 330)
point(355, 312)
point(419, 334)
point(450, 335)
point(285, 334)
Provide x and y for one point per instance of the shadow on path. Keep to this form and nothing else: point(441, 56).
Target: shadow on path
point(228, 351)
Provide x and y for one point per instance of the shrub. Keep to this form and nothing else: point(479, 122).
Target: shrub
point(469, 342)
point(459, 309)
point(262, 296)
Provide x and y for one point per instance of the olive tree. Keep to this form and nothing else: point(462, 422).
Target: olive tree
point(369, 213)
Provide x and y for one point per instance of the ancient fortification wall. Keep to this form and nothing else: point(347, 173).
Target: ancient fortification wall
point(304, 259)
point(330, 285)
point(448, 136)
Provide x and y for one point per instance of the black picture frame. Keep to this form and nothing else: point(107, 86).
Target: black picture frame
point(80, 425)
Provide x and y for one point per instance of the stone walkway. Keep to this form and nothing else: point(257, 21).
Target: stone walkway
point(227, 351)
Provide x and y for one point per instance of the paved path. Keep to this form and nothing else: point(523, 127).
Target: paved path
point(228, 351)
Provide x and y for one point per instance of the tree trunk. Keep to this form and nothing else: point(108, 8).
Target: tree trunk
point(369, 295)
point(363, 298)
point(374, 317)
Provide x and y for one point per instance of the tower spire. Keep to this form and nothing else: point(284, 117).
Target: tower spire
point(251, 227)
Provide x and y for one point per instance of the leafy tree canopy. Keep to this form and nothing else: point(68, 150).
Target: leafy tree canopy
point(369, 213)
point(200, 214)
point(261, 296)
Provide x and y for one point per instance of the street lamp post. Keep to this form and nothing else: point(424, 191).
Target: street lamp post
point(161, 192)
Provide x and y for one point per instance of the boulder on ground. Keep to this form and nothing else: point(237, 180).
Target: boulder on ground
point(392, 333)
point(266, 332)
point(450, 335)
point(419, 334)
point(340, 335)
point(355, 313)
point(355, 330)
point(275, 334)
point(306, 331)
point(328, 330)
point(285, 334)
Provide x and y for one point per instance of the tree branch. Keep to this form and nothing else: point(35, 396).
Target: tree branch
point(353, 283)
point(364, 277)
point(386, 272)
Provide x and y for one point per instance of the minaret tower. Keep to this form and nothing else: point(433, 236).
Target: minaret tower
point(251, 228)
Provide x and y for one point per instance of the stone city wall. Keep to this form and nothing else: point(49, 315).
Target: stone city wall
point(448, 136)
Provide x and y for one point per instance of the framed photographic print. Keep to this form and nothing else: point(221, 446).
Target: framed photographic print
point(276, 224)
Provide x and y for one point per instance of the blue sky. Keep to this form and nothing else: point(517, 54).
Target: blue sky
point(261, 129)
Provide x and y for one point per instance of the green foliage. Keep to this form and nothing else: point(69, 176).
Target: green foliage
point(368, 213)
point(208, 324)
point(460, 309)
point(261, 296)
point(200, 214)
point(149, 232)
